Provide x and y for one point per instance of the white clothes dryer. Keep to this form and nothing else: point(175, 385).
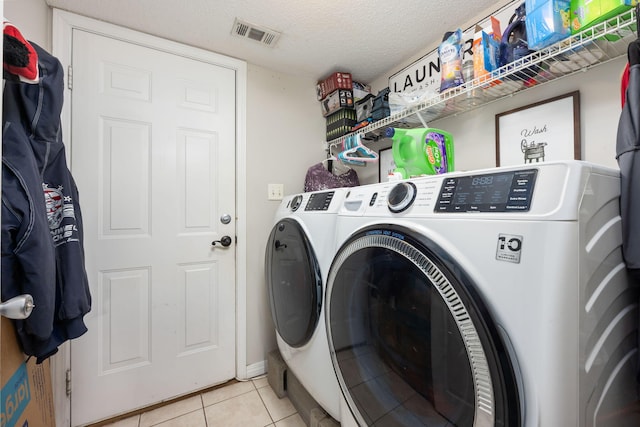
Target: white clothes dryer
point(490, 298)
point(298, 255)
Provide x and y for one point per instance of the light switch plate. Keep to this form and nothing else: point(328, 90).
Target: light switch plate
point(275, 191)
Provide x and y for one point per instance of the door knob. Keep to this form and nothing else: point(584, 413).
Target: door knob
point(224, 241)
point(19, 307)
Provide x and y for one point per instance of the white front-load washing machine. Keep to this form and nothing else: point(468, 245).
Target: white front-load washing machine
point(297, 259)
point(489, 298)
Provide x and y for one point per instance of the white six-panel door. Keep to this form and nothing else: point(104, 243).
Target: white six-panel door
point(153, 156)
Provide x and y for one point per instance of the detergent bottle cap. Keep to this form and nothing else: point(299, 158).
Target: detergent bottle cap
point(389, 132)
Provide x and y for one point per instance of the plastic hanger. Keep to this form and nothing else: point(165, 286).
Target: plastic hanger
point(334, 166)
point(346, 145)
point(355, 153)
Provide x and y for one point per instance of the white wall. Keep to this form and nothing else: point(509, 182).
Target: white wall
point(33, 19)
point(285, 131)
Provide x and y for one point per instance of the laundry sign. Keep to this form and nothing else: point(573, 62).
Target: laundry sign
point(424, 74)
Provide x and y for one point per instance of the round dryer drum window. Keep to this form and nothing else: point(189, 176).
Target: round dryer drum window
point(411, 342)
point(294, 282)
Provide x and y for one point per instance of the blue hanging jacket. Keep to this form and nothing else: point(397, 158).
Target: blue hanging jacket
point(42, 242)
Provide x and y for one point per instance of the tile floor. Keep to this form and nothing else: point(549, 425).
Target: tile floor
point(243, 404)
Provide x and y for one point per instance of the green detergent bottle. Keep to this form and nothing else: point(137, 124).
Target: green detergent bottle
point(421, 151)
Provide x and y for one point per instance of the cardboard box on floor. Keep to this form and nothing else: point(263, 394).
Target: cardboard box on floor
point(26, 397)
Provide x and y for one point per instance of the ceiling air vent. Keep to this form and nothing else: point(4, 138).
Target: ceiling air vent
point(262, 35)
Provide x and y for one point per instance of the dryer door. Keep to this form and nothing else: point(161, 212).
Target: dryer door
point(294, 282)
point(412, 343)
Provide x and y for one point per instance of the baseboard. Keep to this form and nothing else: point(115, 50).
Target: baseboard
point(256, 369)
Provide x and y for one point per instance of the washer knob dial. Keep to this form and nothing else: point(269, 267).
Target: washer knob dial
point(296, 202)
point(401, 196)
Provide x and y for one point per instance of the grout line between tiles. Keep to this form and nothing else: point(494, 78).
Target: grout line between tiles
point(139, 412)
point(181, 415)
point(265, 405)
point(204, 413)
point(202, 405)
point(228, 398)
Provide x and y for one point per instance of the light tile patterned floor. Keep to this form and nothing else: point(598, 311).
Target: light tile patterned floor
point(242, 404)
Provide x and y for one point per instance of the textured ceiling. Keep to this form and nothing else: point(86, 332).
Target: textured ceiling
point(366, 38)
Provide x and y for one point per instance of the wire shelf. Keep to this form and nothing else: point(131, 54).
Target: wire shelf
point(596, 45)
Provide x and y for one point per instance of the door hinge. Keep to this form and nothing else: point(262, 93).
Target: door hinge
point(68, 382)
point(70, 77)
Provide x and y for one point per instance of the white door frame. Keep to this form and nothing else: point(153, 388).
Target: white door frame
point(63, 25)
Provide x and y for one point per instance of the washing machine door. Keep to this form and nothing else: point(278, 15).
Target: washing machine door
point(294, 282)
point(411, 342)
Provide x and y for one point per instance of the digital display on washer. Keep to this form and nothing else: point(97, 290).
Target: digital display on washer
point(319, 201)
point(493, 192)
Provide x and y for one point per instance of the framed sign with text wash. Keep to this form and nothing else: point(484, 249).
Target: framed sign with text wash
point(543, 131)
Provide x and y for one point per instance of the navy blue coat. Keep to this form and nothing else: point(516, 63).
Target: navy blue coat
point(42, 249)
